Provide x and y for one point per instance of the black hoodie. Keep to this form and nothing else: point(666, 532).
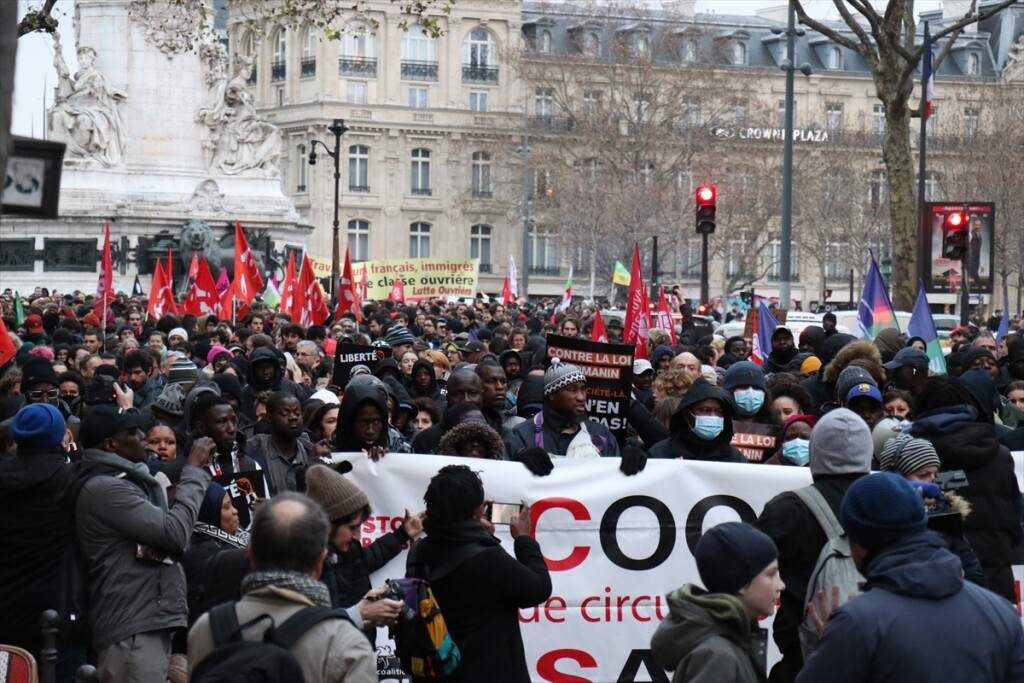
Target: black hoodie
point(276, 383)
point(685, 444)
point(355, 397)
point(433, 390)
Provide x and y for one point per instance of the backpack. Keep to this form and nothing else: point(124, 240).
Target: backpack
point(236, 660)
point(834, 567)
point(422, 641)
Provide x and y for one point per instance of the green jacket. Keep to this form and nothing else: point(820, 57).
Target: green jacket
point(708, 638)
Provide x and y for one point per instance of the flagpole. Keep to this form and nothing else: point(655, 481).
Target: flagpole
point(923, 233)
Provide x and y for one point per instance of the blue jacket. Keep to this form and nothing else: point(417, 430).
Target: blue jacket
point(918, 620)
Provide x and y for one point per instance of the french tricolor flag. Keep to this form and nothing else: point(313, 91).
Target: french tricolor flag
point(928, 77)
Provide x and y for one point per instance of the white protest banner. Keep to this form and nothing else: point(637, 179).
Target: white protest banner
point(615, 546)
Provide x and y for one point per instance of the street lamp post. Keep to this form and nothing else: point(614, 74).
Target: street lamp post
point(337, 128)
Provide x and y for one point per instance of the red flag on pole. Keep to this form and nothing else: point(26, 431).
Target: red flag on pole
point(638, 311)
point(599, 334)
point(288, 286)
point(665, 316)
point(7, 348)
point(314, 304)
point(248, 281)
point(398, 291)
point(348, 302)
point(105, 287)
point(203, 298)
point(507, 296)
point(193, 270)
point(161, 301)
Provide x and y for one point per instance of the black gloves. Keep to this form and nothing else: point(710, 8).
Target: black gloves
point(633, 460)
point(536, 460)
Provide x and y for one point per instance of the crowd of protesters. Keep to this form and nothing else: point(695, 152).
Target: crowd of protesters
point(116, 436)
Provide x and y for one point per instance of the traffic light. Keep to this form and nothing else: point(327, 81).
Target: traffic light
point(705, 204)
point(826, 295)
point(747, 297)
point(954, 235)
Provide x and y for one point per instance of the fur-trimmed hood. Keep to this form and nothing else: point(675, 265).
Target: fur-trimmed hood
point(853, 350)
point(459, 434)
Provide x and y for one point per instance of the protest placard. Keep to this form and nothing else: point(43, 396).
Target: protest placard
point(347, 356)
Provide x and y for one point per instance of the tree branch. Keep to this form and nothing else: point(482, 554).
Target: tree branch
point(40, 20)
point(806, 20)
point(968, 19)
point(867, 49)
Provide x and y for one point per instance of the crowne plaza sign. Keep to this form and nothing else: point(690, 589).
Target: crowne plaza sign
point(762, 133)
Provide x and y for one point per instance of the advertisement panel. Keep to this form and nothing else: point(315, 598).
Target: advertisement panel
point(945, 276)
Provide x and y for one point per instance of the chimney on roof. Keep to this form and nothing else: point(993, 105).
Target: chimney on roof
point(955, 10)
point(686, 8)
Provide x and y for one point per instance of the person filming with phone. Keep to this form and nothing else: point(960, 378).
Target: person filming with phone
point(478, 585)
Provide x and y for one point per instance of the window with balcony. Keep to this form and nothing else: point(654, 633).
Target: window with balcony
point(419, 55)
point(480, 170)
point(591, 102)
point(358, 168)
point(932, 186)
point(421, 172)
point(544, 102)
point(878, 189)
point(279, 55)
point(480, 246)
point(307, 67)
point(837, 261)
point(418, 98)
point(478, 100)
point(542, 185)
point(972, 116)
point(690, 258)
point(775, 261)
point(419, 240)
point(358, 53)
point(735, 265)
point(359, 240)
point(480, 57)
point(878, 124)
point(543, 252)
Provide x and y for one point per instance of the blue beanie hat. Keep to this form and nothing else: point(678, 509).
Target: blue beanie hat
point(38, 426)
point(209, 509)
point(730, 555)
point(881, 508)
point(744, 374)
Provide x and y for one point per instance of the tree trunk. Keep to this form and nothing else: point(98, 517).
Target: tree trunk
point(899, 160)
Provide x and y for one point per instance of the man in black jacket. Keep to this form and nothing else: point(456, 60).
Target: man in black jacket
point(840, 453)
point(702, 427)
point(266, 373)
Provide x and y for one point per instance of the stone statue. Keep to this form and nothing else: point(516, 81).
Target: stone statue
point(87, 112)
point(239, 140)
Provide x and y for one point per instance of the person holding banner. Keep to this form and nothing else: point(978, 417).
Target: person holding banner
point(702, 427)
point(712, 635)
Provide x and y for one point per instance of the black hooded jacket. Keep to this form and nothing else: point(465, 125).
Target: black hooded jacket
point(685, 444)
point(355, 397)
point(277, 383)
point(433, 390)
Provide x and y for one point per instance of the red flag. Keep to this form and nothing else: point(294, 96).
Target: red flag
point(638, 310)
point(314, 304)
point(193, 270)
point(105, 287)
point(348, 302)
point(664, 318)
point(363, 285)
point(288, 286)
point(7, 348)
point(222, 281)
point(599, 334)
point(161, 300)
point(397, 291)
point(506, 294)
point(203, 298)
point(248, 281)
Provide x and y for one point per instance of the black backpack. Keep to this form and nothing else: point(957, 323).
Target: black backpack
point(236, 660)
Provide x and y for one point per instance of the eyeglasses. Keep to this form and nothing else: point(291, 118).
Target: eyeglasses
point(49, 395)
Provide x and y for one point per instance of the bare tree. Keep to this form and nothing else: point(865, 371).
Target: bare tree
point(886, 41)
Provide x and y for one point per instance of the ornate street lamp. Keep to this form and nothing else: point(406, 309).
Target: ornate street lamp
point(338, 128)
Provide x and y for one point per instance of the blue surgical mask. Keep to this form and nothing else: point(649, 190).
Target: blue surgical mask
point(749, 400)
point(708, 427)
point(797, 451)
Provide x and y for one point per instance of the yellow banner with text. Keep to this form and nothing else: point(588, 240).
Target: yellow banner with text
point(423, 278)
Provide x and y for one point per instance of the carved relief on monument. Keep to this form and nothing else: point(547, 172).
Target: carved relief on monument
point(171, 29)
point(240, 140)
point(86, 114)
point(207, 198)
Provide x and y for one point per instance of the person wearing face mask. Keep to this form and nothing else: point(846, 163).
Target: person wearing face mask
point(755, 427)
point(794, 442)
point(702, 427)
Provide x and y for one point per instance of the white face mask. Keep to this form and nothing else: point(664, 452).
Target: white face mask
point(708, 427)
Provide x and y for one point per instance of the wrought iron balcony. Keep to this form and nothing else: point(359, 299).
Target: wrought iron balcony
point(308, 69)
point(419, 71)
point(545, 270)
point(482, 194)
point(277, 71)
point(357, 66)
point(485, 267)
point(477, 73)
point(551, 124)
point(358, 188)
point(421, 191)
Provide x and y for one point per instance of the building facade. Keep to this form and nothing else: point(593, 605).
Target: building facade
point(588, 128)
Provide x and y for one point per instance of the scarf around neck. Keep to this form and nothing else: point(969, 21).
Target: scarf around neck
point(237, 540)
point(303, 584)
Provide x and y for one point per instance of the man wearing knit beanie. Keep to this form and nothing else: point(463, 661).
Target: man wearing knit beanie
point(712, 634)
point(840, 453)
point(915, 600)
point(349, 565)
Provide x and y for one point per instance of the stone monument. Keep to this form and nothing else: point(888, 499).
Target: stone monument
point(164, 142)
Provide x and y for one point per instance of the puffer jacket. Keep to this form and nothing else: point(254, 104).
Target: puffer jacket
point(683, 443)
point(708, 638)
point(128, 596)
point(994, 526)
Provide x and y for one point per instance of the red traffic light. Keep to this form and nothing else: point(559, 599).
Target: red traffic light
point(955, 220)
point(706, 194)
